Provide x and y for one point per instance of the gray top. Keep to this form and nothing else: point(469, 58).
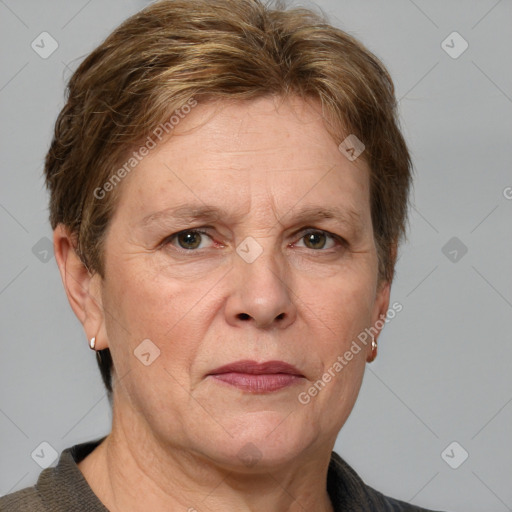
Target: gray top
point(63, 488)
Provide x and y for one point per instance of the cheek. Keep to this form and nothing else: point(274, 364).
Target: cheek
point(339, 307)
point(336, 313)
point(142, 303)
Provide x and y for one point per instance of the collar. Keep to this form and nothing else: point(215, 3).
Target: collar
point(345, 488)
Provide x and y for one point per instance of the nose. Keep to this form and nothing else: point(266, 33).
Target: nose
point(261, 294)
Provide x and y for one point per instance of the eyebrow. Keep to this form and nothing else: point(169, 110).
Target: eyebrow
point(207, 213)
point(186, 212)
point(311, 213)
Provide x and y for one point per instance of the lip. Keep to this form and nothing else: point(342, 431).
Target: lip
point(255, 368)
point(257, 377)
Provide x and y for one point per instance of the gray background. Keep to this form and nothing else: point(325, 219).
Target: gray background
point(443, 371)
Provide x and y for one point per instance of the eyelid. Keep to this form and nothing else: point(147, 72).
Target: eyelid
point(309, 229)
point(205, 230)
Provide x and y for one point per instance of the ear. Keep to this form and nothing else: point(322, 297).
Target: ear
point(379, 313)
point(381, 306)
point(83, 288)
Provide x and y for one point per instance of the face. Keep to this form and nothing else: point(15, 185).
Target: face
point(246, 236)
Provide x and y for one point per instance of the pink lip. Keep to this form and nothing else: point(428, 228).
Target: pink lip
point(255, 368)
point(257, 377)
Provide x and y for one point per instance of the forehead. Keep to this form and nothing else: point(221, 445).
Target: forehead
point(245, 155)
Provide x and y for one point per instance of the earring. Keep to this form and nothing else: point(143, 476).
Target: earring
point(374, 350)
point(92, 343)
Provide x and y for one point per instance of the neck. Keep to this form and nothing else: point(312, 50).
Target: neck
point(130, 471)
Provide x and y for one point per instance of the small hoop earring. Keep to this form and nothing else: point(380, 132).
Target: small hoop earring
point(92, 343)
point(374, 350)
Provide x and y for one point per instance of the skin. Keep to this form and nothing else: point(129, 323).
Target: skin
point(177, 434)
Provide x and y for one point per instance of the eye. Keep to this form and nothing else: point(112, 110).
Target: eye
point(318, 239)
point(189, 239)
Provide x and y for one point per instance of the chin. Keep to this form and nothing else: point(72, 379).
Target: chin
point(262, 440)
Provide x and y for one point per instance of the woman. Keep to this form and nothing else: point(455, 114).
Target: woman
point(229, 187)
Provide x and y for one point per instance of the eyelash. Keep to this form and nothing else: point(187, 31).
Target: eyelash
point(304, 232)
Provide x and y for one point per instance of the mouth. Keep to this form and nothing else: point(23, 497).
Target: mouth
point(257, 377)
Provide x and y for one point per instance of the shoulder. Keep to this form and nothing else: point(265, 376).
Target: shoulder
point(61, 488)
point(348, 492)
point(24, 500)
point(393, 505)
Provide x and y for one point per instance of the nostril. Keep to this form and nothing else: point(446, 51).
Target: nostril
point(244, 316)
point(280, 316)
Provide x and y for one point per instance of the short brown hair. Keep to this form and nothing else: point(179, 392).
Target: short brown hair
point(177, 50)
